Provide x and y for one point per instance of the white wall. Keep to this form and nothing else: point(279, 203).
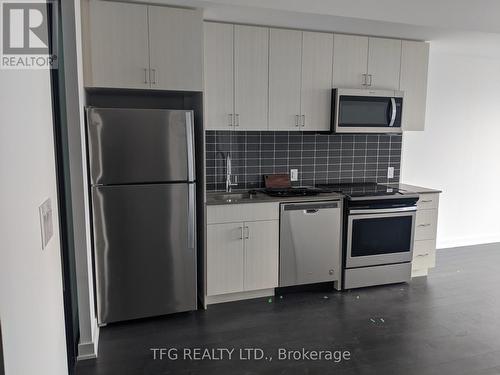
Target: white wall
point(31, 299)
point(459, 152)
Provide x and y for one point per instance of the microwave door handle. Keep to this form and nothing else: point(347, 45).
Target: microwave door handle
point(393, 112)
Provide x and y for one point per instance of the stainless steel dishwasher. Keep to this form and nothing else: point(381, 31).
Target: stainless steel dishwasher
point(310, 243)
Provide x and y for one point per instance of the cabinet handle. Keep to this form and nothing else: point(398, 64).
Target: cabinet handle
point(237, 119)
point(426, 201)
point(303, 121)
point(146, 76)
point(370, 82)
point(230, 119)
point(247, 236)
point(424, 225)
point(363, 83)
point(422, 255)
point(297, 120)
point(241, 233)
point(153, 81)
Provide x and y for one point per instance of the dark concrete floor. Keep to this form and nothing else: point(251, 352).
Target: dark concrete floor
point(447, 323)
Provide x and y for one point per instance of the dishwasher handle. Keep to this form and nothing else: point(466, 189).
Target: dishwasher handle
point(309, 208)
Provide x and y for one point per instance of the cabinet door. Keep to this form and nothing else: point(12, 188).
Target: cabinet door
point(426, 225)
point(285, 51)
point(251, 77)
point(176, 48)
point(119, 54)
point(413, 81)
point(224, 258)
point(384, 63)
point(219, 94)
point(261, 254)
point(315, 99)
point(350, 59)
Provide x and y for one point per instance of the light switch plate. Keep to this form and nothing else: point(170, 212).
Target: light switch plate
point(390, 172)
point(46, 225)
point(294, 174)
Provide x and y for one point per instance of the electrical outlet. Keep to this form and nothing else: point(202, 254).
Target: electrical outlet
point(46, 226)
point(390, 172)
point(294, 174)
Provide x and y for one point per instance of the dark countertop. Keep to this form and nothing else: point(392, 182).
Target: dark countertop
point(241, 196)
point(222, 198)
point(405, 188)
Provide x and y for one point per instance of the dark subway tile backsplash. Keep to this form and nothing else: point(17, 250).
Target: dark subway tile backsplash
point(320, 158)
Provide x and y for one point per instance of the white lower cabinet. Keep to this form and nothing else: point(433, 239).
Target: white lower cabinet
point(225, 258)
point(261, 255)
point(242, 256)
point(424, 246)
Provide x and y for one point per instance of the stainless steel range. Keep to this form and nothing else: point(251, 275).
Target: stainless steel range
point(379, 225)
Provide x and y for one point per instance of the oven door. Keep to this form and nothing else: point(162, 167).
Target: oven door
point(376, 237)
point(368, 112)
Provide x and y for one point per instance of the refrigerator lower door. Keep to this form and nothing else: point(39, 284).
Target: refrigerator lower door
point(145, 257)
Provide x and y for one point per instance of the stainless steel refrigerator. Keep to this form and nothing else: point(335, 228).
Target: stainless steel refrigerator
point(143, 200)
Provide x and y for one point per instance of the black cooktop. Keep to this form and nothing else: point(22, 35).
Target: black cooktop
point(359, 189)
point(291, 192)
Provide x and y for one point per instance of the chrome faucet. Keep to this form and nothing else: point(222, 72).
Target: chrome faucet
point(229, 184)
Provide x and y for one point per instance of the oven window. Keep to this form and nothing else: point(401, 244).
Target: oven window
point(383, 235)
point(361, 111)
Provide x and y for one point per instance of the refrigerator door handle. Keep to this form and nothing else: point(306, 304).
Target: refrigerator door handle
point(191, 216)
point(190, 146)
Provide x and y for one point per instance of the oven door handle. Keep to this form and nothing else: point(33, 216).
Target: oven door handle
point(393, 112)
point(382, 210)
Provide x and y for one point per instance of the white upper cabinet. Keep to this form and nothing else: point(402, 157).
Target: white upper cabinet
point(366, 62)
point(316, 88)
point(141, 46)
point(350, 61)
point(219, 73)
point(384, 61)
point(413, 81)
point(300, 80)
point(176, 48)
point(251, 70)
point(258, 78)
point(285, 53)
point(118, 36)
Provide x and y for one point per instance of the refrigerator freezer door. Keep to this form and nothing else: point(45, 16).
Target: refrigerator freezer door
point(145, 257)
point(129, 146)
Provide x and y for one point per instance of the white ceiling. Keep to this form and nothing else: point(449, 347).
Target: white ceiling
point(477, 15)
point(413, 19)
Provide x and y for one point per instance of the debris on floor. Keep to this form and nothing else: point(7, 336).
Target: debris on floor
point(377, 321)
point(270, 300)
point(325, 297)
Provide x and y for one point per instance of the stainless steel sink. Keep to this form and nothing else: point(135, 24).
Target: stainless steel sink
point(230, 197)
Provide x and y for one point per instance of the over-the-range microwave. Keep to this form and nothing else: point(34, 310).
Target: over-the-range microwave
point(367, 111)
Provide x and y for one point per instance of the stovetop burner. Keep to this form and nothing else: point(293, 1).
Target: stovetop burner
point(291, 192)
point(361, 189)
